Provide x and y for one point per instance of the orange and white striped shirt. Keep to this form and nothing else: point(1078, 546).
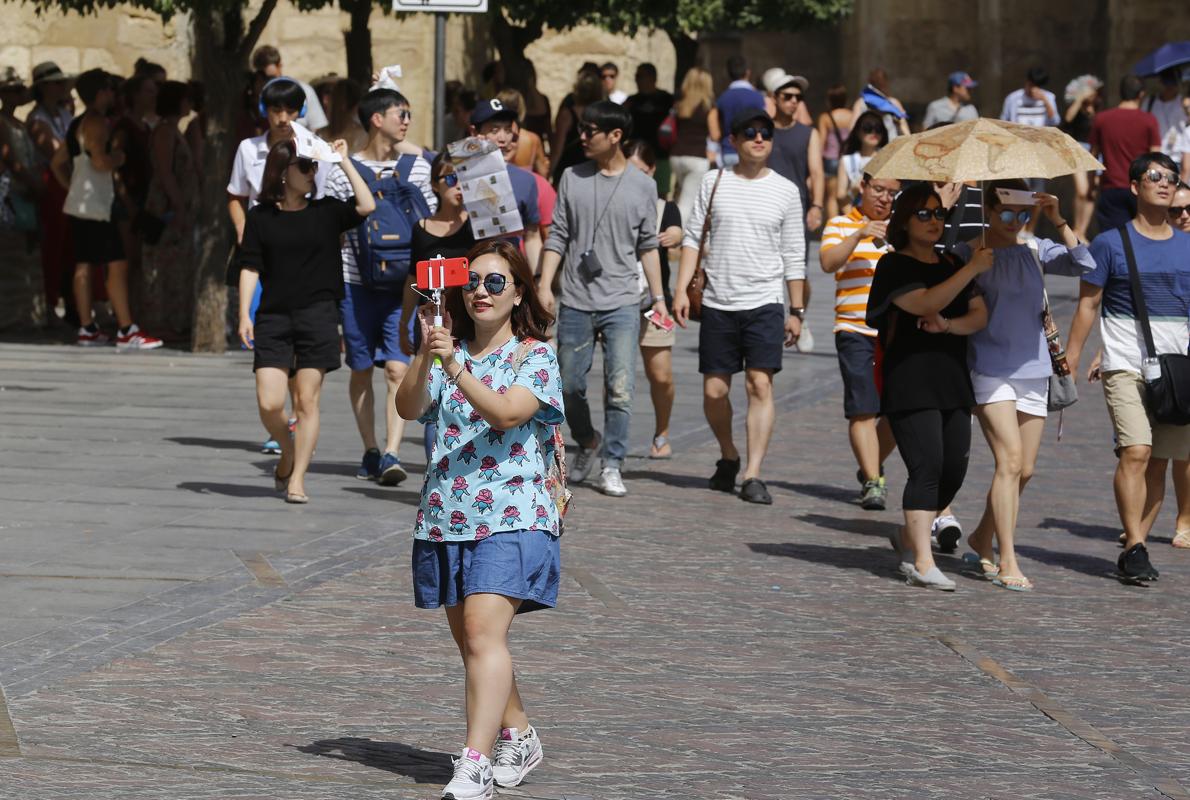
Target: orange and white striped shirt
point(854, 280)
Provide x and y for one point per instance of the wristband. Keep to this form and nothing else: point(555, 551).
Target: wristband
point(797, 311)
point(658, 298)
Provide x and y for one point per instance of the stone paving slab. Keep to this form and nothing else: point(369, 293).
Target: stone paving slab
point(703, 648)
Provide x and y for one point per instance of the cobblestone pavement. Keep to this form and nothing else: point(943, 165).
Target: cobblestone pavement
point(172, 630)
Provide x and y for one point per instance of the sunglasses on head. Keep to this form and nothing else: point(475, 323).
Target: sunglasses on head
point(1177, 211)
point(495, 283)
point(1157, 177)
point(1008, 216)
point(924, 214)
point(305, 165)
point(750, 132)
point(451, 179)
point(789, 96)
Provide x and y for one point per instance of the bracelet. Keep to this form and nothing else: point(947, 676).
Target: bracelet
point(453, 381)
point(1061, 225)
point(658, 298)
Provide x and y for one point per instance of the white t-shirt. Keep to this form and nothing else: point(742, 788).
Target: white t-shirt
point(1170, 116)
point(315, 119)
point(757, 240)
point(247, 171)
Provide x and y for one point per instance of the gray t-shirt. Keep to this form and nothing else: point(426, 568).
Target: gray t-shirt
point(616, 217)
point(941, 110)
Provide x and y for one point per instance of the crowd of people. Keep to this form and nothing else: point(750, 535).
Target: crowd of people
point(940, 311)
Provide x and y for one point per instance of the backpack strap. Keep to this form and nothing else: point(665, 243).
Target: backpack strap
point(404, 167)
point(366, 173)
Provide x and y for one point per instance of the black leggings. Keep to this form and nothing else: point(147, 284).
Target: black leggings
point(934, 445)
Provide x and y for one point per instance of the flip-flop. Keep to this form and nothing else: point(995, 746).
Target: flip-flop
point(1013, 583)
point(658, 443)
point(1181, 540)
point(986, 566)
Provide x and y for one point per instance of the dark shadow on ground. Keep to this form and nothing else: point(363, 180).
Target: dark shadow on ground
point(866, 527)
point(822, 491)
point(1095, 566)
point(398, 494)
point(217, 444)
point(880, 561)
point(1104, 532)
point(423, 766)
point(228, 489)
point(668, 478)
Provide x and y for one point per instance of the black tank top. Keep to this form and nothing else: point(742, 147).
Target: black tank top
point(790, 158)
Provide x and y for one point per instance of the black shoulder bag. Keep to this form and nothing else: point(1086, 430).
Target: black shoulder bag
point(1168, 392)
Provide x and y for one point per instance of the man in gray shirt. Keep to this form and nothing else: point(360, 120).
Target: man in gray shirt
point(605, 221)
point(955, 106)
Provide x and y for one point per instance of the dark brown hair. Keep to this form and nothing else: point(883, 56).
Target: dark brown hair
point(529, 319)
point(836, 96)
point(908, 201)
point(272, 185)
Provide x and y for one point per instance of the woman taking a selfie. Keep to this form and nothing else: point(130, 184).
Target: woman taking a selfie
point(486, 536)
point(291, 245)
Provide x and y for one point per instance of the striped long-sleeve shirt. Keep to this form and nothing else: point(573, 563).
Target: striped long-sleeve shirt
point(854, 280)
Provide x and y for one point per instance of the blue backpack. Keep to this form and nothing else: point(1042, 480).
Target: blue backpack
point(383, 241)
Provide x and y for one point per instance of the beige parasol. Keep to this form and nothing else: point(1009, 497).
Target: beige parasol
point(981, 150)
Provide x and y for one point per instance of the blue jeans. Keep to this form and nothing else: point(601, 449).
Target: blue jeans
point(620, 331)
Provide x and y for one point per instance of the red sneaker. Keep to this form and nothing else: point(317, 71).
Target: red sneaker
point(95, 338)
point(135, 339)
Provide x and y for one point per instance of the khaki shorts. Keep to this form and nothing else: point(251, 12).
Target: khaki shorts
point(652, 336)
point(1125, 395)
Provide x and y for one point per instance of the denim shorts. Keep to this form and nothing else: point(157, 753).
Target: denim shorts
point(526, 565)
point(371, 326)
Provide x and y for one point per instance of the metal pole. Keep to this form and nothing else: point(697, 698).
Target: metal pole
point(440, 108)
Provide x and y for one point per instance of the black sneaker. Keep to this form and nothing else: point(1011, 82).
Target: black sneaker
point(1135, 567)
point(753, 490)
point(724, 478)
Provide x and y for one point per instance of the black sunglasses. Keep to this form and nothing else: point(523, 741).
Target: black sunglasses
point(451, 179)
point(750, 132)
point(790, 96)
point(590, 131)
point(1008, 216)
point(305, 165)
point(405, 115)
point(924, 214)
point(1177, 211)
point(495, 283)
point(871, 127)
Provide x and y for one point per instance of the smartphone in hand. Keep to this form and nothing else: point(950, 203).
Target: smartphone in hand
point(661, 321)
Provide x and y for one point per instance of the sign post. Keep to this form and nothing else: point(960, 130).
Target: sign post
point(441, 8)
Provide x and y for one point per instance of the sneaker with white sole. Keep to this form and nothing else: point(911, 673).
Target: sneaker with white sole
point(91, 336)
point(472, 778)
point(930, 579)
point(611, 482)
point(516, 755)
point(584, 460)
point(945, 533)
point(135, 339)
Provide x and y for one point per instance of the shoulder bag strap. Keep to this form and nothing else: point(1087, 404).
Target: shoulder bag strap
point(706, 221)
point(835, 125)
point(607, 206)
point(1138, 295)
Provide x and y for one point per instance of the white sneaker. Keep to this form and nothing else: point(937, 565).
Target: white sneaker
point(932, 579)
point(805, 342)
point(611, 483)
point(584, 459)
point(516, 754)
point(945, 533)
point(472, 779)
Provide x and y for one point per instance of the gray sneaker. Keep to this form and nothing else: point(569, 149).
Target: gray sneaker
point(515, 755)
point(611, 483)
point(874, 495)
point(584, 460)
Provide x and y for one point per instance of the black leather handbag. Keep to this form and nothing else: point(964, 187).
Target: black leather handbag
point(1168, 393)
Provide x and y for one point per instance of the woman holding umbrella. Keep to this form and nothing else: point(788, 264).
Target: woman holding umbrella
point(1010, 359)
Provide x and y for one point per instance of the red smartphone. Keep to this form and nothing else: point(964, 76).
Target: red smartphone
point(441, 273)
point(664, 323)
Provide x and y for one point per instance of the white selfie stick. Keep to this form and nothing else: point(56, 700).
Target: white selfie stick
point(437, 282)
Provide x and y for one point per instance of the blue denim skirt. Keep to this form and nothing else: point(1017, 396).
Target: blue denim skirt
point(526, 565)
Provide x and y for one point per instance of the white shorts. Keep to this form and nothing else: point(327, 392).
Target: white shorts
point(1031, 394)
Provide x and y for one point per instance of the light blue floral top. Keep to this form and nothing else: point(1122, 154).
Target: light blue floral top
point(482, 480)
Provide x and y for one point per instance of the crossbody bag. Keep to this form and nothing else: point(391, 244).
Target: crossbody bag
point(1166, 376)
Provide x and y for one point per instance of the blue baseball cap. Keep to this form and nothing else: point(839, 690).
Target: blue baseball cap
point(962, 79)
point(487, 110)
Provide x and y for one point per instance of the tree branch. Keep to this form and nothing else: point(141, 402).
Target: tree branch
point(255, 28)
